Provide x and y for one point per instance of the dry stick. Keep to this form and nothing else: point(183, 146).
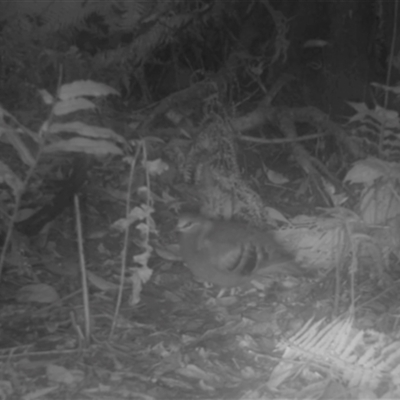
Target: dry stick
point(353, 268)
point(82, 264)
point(389, 73)
point(149, 198)
point(339, 261)
point(126, 238)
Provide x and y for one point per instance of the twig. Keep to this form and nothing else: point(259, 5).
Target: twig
point(82, 264)
point(126, 238)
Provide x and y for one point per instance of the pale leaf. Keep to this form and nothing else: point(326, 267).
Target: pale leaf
point(156, 167)
point(72, 105)
point(276, 177)
point(59, 374)
point(101, 283)
point(38, 293)
point(83, 129)
point(85, 88)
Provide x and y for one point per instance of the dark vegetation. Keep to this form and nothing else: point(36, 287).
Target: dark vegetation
point(117, 116)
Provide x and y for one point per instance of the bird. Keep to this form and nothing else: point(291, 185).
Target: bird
point(229, 254)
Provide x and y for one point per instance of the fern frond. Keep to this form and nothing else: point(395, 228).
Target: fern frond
point(363, 359)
